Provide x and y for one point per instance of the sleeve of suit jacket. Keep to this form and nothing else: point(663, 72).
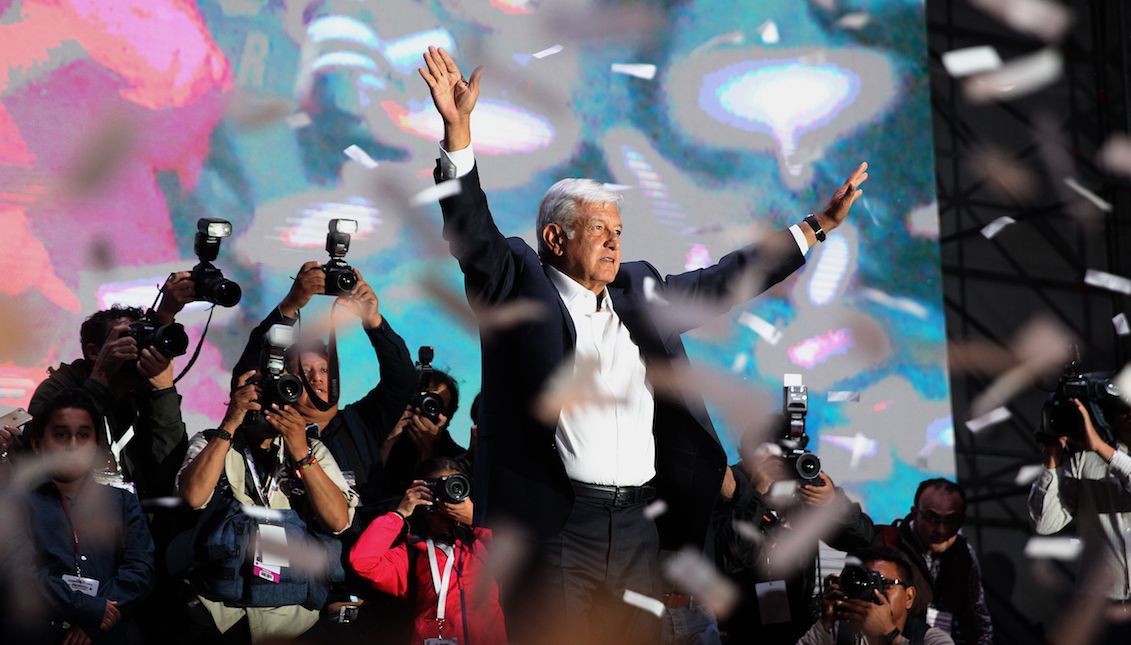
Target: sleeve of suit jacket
point(488, 266)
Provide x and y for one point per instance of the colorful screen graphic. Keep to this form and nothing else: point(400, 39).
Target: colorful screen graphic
point(123, 121)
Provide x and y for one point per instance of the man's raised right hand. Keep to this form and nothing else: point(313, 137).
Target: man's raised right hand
point(453, 96)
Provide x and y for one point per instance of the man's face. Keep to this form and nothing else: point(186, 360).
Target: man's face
point(592, 255)
point(317, 371)
point(898, 591)
point(69, 430)
point(937, 519)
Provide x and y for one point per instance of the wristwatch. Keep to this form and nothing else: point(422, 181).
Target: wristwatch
point(811, 220)
point(890, 637)
point(217, 432)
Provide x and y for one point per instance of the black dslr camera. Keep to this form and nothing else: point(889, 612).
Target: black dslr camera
point(1101, 397)
point(430, 404)
point(450, 489)
point(859, 583)
point(806, 466)
point(209, 281)
point(340, 278)
point(171, 340)
point(275, 386)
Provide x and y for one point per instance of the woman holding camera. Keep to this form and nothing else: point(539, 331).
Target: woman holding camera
point(437, 561)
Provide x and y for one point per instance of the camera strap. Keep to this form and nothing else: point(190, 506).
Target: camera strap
point(335, 383)
point(199, 345)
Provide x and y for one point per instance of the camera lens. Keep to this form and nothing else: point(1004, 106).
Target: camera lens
point(808, 466)
point(289, 388)
point(171, 340)
point(225, 293)
point(457, 488)
point(346, 281)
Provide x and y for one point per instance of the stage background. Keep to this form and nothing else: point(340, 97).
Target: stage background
point(122, 122)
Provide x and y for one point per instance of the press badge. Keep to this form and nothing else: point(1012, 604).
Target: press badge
point(773, 603)
point(440, 641)
point(88, 586)
point(270, 553)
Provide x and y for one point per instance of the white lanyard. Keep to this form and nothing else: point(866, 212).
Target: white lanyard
point(441, 584)
point(272, 480)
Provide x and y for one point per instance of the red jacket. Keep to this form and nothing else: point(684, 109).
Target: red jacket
point(383, 560)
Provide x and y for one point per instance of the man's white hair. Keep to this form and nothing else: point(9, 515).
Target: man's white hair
point(559, 206)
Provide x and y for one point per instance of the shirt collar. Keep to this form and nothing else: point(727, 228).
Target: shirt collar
point(575, 296)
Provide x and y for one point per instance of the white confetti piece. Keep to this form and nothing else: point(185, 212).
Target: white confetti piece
point(1053, 548)
point(843, 396)
point(960, 63)
point(298, 120)
point(262, 513)
point(740, 361)
point(1041, 18)
point(162, 502)
point(729, 38)
point(1120, 323)
point(769, 32)
point(639, 70)
point(855, 20)
point(989, 231)
point(434, 194)
point(1122, 381)
point(1019, 77)
point(906, 305)
point(748, 531)
point(924, 454)
point(993, 417)
point(1099, 202)
point(360, 156)
point(655, 509)
point(693, 574)
point(1028, 474)
point(1115, 155)
point(617, 188)
point(759, 326)
point(549, 51)
point(652, 293)
point(1108, 281)
point(647, 603)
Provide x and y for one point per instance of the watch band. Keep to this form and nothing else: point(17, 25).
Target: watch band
point(811, 220)
point(217, 432)
point(890, 637)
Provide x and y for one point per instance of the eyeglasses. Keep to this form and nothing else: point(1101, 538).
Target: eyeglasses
point(889, 582)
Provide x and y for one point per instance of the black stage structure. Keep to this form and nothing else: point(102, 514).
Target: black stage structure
point(1035, 267)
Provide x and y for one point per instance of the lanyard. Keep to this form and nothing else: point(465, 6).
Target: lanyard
point(441, 584)
point(263, 492)
point(74, 533)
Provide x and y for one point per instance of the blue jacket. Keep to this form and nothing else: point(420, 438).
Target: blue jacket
point(115, 545)
point(517, 472)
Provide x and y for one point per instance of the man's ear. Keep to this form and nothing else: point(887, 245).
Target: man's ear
point(90, 351)
point(554, 237)
point(911, 593)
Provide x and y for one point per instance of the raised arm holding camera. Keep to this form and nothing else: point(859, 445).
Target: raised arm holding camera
point(355, 433)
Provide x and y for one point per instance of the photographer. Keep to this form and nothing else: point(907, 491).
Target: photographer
point(273, 465)
point(94, 554)
point(872, 606)
point(1088, 478)
point(132, 387)
point(743, 561)
point(356, 433)
point(404, 552)
point(418, 436)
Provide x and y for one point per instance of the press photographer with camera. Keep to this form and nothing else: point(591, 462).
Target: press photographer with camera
point(355, 433)
point(870, 604)
point(422, 431)
point(261, 455)
point(1087, 477)
point(427, 551)
point(778, 609)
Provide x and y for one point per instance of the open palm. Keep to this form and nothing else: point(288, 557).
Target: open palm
point(453, 96)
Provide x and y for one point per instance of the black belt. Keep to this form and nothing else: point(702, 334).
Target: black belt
point(615, 495)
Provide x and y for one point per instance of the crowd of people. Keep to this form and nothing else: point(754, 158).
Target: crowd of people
point(305, 520)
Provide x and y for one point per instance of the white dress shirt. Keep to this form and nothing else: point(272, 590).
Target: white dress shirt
point(607, 440)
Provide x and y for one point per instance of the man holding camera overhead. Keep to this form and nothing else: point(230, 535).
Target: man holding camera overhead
point(1087, 478)
point(580, 483)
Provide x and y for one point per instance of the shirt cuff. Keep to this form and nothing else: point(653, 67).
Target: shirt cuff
point(454, 165)
point(798, 236)
point(1121, 463)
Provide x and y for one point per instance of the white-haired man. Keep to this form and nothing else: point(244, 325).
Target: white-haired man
point(580, 483)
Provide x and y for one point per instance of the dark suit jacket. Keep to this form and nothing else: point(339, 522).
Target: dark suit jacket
point(517, 472)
